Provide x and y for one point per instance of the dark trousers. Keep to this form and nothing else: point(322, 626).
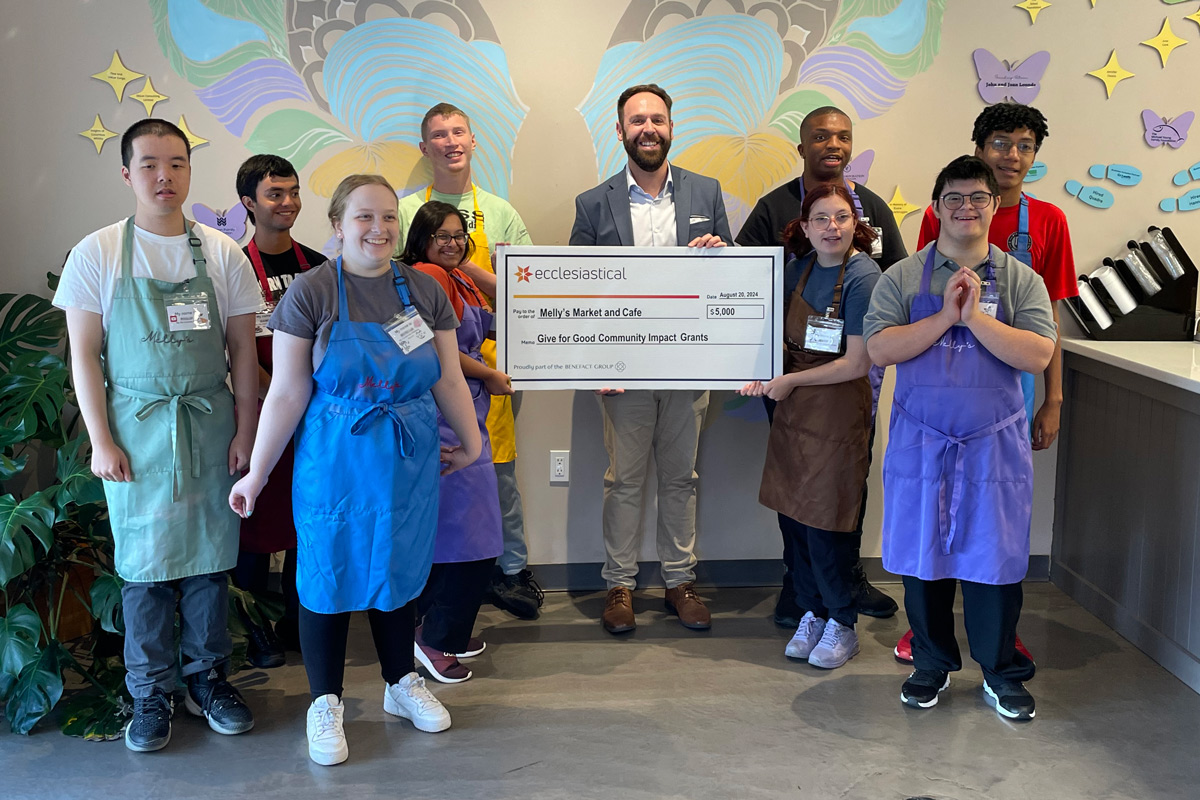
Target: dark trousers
point(823, 570)
point(451, 601)
point(253, 574)
point(323, 639)
point(990, 613)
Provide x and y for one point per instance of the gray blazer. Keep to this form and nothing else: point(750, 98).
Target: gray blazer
point(602, 214)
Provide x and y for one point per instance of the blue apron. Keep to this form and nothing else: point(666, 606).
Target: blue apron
point(1020, 247)
point(958, 472)
point(469, 510)
point(365, 485)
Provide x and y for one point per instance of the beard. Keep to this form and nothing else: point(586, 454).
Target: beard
point(649, 162)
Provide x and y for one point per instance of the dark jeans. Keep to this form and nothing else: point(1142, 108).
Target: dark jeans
point(323, 639)
point(149, 610)
point(990, 613)
point(451, 601)
point(253, 573)
point(823, 570)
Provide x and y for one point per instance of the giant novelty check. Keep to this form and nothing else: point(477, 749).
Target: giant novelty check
point(639, 317)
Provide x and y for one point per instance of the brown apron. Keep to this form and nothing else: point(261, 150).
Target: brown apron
point(817, 453)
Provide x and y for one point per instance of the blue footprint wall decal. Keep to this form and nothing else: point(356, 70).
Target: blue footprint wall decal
point(1094, 196)
point(1120, 174)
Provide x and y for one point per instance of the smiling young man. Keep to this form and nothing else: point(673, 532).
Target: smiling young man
point(651, 203)
point(826, 146)
point(449, 144)
point(153, 305)
point(961, 320)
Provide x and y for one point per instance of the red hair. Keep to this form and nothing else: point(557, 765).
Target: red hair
point(794, 238)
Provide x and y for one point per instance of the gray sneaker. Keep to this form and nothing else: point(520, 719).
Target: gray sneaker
point(806, 637)
point(839, 644)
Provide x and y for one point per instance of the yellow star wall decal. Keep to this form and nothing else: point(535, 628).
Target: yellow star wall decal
point(901, 208)
point(117, 76)
point(1194, 17)
point(97, 134)
point(1111, 73)
point(193, 139)
point(149, 97)
point(1165, 41)
point(1035, 6)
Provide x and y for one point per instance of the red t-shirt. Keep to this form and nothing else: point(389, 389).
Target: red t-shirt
point(1053, 258)
point(457, 292)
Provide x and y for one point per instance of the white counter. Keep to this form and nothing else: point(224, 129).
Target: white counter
point(1173, 363)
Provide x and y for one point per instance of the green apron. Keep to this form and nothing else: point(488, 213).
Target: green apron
point(171, 412)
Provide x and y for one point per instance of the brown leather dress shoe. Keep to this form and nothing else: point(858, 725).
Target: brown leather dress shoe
point(618, 611)
point(683, 601)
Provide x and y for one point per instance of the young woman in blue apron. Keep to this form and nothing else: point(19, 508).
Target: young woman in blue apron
point(359, 391)
point(470, 535)
point(958, 472)
point(818, 451)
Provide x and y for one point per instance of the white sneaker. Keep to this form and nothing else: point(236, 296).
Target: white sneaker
point(807, 636)
point(326, 738)
point(411, 699)
point(839, 644)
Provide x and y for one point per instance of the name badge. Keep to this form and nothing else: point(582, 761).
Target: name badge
point(877, 245)
point(261, 318)
point(187, 311)
point(824, 334)
point(408, 330)
point(989, 299)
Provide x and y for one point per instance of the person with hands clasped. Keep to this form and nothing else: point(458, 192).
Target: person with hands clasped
point(469, 536)
point(364, 355)
point(153, 305)
point(818, 450)
point(961, 320)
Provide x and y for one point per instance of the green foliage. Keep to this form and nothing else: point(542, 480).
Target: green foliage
point(20, 632)
point(106, 602)
point(98, 713)
point(37, 689)
point(33, 393)
point(20, 519)
point(28, 324)
point(76, 483)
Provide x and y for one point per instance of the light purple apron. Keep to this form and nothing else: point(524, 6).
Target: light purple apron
point(469, 508)
point(958, 472)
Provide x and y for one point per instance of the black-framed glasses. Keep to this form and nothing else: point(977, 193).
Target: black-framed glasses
point(444, 239)
point(1004, 145)
point(954, 200)
point(822, 221)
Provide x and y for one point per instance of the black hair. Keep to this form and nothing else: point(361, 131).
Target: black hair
point(150, 127)
point(652, 88)
point(255, 169)
point(965, 168)
point(820, 112)
point(1008, 117)
point(425, 223)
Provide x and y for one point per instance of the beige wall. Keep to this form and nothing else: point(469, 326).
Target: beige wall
point(57, 189)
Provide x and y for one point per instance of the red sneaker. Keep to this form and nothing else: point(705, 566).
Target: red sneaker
point(475, 646)
point(903, 649)
point(442, 667)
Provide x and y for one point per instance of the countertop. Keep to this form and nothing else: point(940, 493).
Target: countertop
point(1173, 363)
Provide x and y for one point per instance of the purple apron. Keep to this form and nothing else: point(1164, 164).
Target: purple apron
point(469, 507)
point(958, 472)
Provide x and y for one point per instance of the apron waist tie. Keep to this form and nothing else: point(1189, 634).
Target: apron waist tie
point(177, 405)
point(957, 452)
point(364, 420)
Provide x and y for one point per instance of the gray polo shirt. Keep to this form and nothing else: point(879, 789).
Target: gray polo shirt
point(1022, 292)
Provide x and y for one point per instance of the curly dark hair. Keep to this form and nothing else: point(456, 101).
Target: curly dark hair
point(1007, 117)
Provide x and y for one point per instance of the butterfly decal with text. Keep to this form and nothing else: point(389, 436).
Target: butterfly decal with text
point(1160, 130)
point(859, 168)
point(232, 223)
point(1020, 82)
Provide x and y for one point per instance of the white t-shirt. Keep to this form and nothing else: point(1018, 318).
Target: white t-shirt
point(90, 275)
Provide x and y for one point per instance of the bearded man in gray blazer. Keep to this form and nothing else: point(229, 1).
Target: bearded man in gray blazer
point(651, 204)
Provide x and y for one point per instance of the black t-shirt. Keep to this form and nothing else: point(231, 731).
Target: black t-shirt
point(282, 268)
point(774, 210)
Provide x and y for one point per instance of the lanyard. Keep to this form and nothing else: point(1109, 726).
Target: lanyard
point(256, 260)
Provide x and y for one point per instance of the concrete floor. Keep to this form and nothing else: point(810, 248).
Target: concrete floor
point(560, 709)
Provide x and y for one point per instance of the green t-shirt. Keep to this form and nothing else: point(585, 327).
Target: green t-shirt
point(501, 222)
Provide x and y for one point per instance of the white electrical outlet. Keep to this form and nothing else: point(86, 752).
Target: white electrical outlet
point(560, 466)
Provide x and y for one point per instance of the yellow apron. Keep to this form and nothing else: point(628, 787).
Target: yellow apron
point(501, 424)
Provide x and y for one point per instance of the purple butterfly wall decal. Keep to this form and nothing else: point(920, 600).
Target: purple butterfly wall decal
point(232, 223)
point(1160, 130)
point(1019, 82)
point(859, 168)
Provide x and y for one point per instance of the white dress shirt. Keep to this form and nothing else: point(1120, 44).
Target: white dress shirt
point(653, 217)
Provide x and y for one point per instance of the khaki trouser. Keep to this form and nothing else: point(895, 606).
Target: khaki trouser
point(636, 422)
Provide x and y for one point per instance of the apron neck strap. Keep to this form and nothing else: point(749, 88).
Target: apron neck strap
point(837, 289)
point(261, 272)
point(927, 274)
point(193, 242)
point(343, 304)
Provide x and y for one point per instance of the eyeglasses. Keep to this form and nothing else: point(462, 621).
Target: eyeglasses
point(821, 221)
point(1004, 145)
point(444, 239)
point(954, 200)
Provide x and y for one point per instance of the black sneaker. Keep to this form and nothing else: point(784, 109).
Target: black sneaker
point(787, 613)
point(1010, 699)
point(150, 728)
point(871, 601)
point(530, 587)
point(509, 593)
point(263, 648)
point(923, 686)
point(210, 696)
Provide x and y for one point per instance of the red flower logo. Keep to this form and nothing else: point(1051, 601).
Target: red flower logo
point(522, 274)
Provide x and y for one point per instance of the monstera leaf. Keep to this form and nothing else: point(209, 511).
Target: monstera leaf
point(19, 635)
point(29, 324)
point(34, 391)
point(76, 484)
point(106, 603)
point(38, 688)
point(99, 712)
point(18, 521)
